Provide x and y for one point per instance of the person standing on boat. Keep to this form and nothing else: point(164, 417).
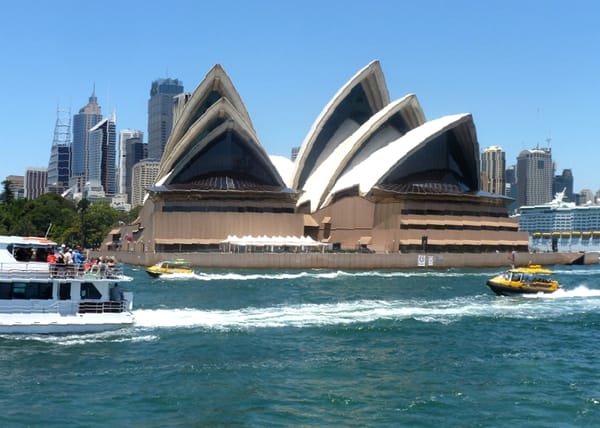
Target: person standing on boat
point(116, 295)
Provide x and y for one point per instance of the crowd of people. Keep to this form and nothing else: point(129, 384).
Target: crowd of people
point(66, 259)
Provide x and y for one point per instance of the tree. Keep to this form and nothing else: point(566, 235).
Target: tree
point(7, 194)
point(100, 218)
point(48, 212)
point(82, 207)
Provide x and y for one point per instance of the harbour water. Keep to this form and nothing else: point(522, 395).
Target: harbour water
point(421, 348)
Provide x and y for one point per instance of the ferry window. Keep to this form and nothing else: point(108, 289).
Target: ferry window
point(18, 290)
point(65, 291)
point(45, 291)
point(38, 291)
point(5, 291)
point(89, 291)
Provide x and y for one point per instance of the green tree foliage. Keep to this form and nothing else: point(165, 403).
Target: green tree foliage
point(7, 194)
point(99, 219)
point(61, 218)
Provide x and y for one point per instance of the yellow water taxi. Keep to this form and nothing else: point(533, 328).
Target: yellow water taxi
point(530, 279)
point(170, 267)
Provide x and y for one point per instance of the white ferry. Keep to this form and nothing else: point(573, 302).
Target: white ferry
point(561, 226)
point(41, 297)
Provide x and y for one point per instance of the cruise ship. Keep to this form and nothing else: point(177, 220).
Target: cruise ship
point(561, 226)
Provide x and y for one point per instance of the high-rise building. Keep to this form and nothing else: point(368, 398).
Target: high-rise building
point(564, 182)
point(510, 187)
point(102, 155)
point(59, 166)
point(586, 196)
point(143, 177)
point(17, 185)
point(295, 151)
point(493, 170)
point(131, 150)
point(36, 180)
point(88, 117)
point(160, 114)
point(534, 177)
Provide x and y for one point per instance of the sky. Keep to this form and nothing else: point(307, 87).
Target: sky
point(527, 70)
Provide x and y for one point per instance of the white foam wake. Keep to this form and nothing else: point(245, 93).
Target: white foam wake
point(366, 311)
point(203, 276)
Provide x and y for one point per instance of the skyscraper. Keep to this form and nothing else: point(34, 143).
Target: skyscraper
point(132, 150)
point(88, 117)
point(102, 153)
point(534, 177)
point(564, 182)
point(160, 114)
point(36, 180)
point(59, 166)
point(144, 175)
point(493, 167)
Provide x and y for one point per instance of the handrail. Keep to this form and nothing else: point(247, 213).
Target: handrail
point(60, 270)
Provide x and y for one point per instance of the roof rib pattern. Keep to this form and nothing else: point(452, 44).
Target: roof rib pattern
point(353, 149)
point(364, 95)
point(385, 126)
point(213, 137)
point(443, 150)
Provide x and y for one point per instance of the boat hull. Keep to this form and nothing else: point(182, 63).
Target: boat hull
point(153, 274)
point(508, 290)
point(49, 323)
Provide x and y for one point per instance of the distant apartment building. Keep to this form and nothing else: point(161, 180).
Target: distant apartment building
point(86, 119)
point(132, 149)
point(564, 182)
point(36, 180)
point(534, 177)
point(17, 185)
point(295, 151)
point(586, 196)
point(160, 114)
point(102, 155)
point(510, 187)
point(493, 165)
point(143, 177)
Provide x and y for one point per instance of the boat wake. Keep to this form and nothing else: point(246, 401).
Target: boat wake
point(233, 276)
point(579, 300)
point(561, 293)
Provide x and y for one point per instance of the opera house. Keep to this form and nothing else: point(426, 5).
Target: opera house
point(371, 175)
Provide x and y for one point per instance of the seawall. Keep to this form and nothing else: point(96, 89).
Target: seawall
point(351, 261)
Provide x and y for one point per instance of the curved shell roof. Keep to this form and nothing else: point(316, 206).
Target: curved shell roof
point(364, 95)
point(360, 142)
point(213, 138)
point(447, 145)
point(215, 85)
point(387, 125)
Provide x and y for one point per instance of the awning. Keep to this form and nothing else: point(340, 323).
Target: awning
point(326, 220)
point(309, 221)
point(410, 242)
point(116, 231)
point(365, 240)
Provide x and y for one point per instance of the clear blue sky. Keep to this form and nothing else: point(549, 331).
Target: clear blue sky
point(528, 71)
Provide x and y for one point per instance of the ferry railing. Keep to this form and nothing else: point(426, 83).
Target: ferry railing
point(69, 308)
point(60, 270)
point(103, 307)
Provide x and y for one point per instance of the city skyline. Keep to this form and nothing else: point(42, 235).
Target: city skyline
point(525, 71)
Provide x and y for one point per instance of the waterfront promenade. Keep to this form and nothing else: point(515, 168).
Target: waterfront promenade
point(351, 261)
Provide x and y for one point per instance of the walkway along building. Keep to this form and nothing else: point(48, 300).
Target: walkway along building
point(371, 175)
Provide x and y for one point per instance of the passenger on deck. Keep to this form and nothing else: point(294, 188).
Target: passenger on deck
point(116, 295)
